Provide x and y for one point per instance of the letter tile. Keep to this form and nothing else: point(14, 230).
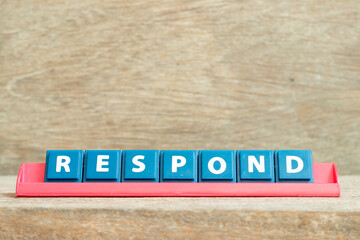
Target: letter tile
point(102, 166)
point(64, 166)
point(256, 165)
point(141, 165)
point(294, 166)
point(217, 166)
point(179, 166)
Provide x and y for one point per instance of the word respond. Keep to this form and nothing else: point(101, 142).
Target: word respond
point(179, 166)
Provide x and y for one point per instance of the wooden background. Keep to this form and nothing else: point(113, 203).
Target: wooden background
point(180, 75)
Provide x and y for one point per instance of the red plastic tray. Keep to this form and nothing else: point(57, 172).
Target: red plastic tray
point(30, 183)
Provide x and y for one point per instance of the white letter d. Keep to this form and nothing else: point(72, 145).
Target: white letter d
point(289, 160)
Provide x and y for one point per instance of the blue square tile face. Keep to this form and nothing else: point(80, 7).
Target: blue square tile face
point(294, 166)
point(256, 165)
point(141, 165)
point(102, 166)
point(179, 166)
point(64, 165)
point(217, 166)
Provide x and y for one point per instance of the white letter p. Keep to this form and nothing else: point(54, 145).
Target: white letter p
point(176, 163)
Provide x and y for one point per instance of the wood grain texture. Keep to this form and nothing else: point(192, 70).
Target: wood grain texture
point(181, 218)
point(180, 75)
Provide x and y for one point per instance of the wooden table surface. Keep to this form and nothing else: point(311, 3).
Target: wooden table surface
point(180, 74)
point(181, 218)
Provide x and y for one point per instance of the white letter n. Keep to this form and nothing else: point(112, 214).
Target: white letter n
point(259, 166)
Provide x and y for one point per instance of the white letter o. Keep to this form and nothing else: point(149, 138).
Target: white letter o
point(222, 165)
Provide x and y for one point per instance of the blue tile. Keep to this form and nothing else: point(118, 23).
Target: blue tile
point(217, 166)
point(294, 166)
point(179, 166)
point(102, 166)
point(256, 165)
point(64, 166)
point(141, 165)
